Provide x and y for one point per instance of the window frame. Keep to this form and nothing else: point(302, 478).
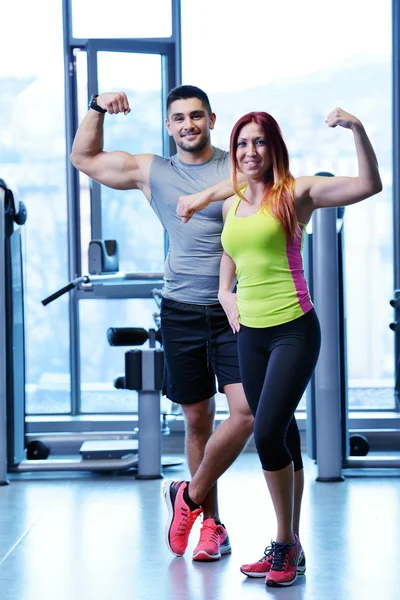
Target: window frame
point(170, 51)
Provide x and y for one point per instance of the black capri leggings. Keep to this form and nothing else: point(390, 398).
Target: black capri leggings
point(276, 364)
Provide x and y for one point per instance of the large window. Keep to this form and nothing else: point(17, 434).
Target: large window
point(298, 61)
point(150, 19)
point(293, 59)
point(32, 159)
point(144, 70)
point(126, 216)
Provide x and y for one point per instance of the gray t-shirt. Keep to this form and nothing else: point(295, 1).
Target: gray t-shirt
point(191, 270)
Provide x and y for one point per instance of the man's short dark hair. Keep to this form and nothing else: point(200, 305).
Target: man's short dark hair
point(183, 92)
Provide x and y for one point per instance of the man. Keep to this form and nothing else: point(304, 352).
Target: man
point(198, 342)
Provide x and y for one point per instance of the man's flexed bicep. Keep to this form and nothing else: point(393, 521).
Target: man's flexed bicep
point(117, 169)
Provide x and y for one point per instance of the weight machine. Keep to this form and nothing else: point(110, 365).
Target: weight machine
point(139, 450)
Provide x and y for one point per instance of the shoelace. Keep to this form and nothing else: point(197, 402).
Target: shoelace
point(187, 520)
point(208, 532)
point(281, 555)
point(269, 550)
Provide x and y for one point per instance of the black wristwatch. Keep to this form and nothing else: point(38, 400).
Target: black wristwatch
point(93, 104)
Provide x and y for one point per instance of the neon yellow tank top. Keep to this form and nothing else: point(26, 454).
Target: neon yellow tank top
point(271, 286)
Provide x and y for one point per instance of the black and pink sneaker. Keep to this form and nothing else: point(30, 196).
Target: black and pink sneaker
point(214, 542)
point(287, 559)
point(180, 517)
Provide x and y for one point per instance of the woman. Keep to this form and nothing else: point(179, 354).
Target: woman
point(278, 329)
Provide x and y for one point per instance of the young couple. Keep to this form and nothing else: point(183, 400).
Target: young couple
point(232, 216)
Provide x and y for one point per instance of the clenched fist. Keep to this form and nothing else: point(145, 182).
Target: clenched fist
point(188, 205)
point(114, 102)
point(342, 118)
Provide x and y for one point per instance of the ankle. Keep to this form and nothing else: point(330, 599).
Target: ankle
point(194, 496)
point(189, 500)
point(211, 515)
point(289, 538)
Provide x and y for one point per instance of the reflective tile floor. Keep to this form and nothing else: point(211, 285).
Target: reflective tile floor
point(91, 537)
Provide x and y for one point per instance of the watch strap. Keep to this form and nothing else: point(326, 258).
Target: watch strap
point(93, 104)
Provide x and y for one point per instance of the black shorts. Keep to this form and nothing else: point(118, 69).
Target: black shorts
point(199, 346)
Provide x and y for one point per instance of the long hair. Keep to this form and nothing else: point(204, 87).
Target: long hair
point(278, 199)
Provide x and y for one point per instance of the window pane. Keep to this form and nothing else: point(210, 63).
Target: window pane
point(129, 19)
point(323, 64)
point(32, 157)
point(126, 216)
point(102, 363)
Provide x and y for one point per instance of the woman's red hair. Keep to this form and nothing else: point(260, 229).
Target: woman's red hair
point(278, 199)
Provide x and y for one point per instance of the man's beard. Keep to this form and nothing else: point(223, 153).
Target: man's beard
point(196, 148)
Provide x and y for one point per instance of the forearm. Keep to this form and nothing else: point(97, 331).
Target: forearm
point(224, 189)
point(188, 205)
point(227, 272)
point(220, 191)
point(368, 171)
point(88, 140)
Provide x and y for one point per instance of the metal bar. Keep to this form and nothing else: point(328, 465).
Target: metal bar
point(70, 443)
point(341, 282)
point(113, 464)
point(95, 189)
point(120, 277)
point(149, 466)
point(368, 462)
point(130, 45)
point(177, 37)
point(396, 169)
point(327, 373)
point(3, 349)
point(142, 290)
point(73, 204)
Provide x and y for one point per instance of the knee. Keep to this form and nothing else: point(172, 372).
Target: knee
point(247, 423)
point(242, 419)
point(198, 421)
point(239, 409)
point(265, 439)
point(271, 448)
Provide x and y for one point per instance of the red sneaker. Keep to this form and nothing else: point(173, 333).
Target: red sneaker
point(262, 566)
point(286, 560)
point(214, 542)
point(180, 517)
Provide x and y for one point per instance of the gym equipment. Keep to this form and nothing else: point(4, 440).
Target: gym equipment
point(335, 448)
point(86, 282)
point(37, 450)
point(395, 326)
point(103, 257)
point(359, 445)
point(13, 215)
point(328, 409)
point(3, 341)
point(97, 451)
point(316, 276)
point(143, 373)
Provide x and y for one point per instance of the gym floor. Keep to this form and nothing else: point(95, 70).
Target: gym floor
point(90, 537)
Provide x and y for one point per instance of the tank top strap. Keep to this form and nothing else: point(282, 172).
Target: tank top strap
point(233, 208)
